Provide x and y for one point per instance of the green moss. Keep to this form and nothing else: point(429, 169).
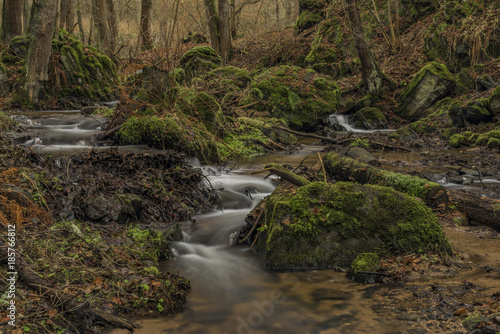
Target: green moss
point(322, 225)
point(199, 60)
point(201, 106)
point(458, 140)
point(493, 143)
point(344, 167)
point(365, 262)
point(6, 123)
point(433, 67)
point(300, 96)
point(306, 20)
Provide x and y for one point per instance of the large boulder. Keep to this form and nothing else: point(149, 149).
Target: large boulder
point(300, 96)
point(198, 61)
point(323, 225)
point(432, 83)
point(474, 112)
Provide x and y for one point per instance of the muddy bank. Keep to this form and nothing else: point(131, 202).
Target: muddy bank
point(93, 228)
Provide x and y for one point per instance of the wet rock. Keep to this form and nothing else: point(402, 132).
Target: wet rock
point(364, 269)
point(409, 316)
point(432, 83)
point(120, 208)
point(331, 294)
point(370, 118)
point(472, 321)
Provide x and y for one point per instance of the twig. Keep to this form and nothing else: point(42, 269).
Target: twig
point(479, 175)
point(322, 166)
point(253, 227)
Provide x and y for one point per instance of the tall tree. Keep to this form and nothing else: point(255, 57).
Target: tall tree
point(105, 24)
point(26, 14)
point(35, 71)
point(224, 31)
point(146, 12)
point(372, 76)
point(12, 23)
point(213, 23)
point(67, 15)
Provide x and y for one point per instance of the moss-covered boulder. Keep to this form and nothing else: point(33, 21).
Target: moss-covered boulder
point(324, 225)
point(201, 106)
point(302, 97)
point(227, 84)
point(198, 61)
point(494, 101)
point(432, 83)
point(78, 75)
point(370, 118)
point(458, 140)
point(363, 269)
point(474, 112)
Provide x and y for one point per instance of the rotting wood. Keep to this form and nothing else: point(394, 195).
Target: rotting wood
point(483, 210)
point(285, 174)
point(46, 288)
point(363, 155)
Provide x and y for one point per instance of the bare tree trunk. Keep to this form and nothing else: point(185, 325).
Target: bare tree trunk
point(213, 24)
point(391, 25)
point(277, 13)
point(35, 72)
point(79, 21)
point(224, 31)
point(100, 23)
point(26, 14)
point(232, 17)
point(145, 26)
point(112, 25)
point(12, 23)
point(67, 13)
point(372, 76)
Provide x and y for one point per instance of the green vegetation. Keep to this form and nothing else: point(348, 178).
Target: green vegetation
point(323, 225)
point(301, 97)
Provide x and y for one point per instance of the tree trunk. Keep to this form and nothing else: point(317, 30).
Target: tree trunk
point(67, 12)
point(80, 21)
point(224, 31)
point(232, 17)
point(372, 76)
point(12, 23)
point(100, 23)
point(35, 72)
point(347, 169)
point(146, 12)
point(277, 13)
point(485, 211)
point(213, 24)
point(26, 14)
point(112, 25)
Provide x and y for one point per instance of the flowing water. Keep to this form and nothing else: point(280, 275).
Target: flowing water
point(231, 292)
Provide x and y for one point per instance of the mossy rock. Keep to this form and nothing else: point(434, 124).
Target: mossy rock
point(302, 97)
point(199, 60)
point(403, 134)
point(494, 101)
point(231, 76)
point(418, 9)
point(432, 83)
point(458, 140)
point(170, 131)
point(324, 225)
point(201, 106)
point(363, 269)
point(493, 143)
point(370, 118)
point(266, 126)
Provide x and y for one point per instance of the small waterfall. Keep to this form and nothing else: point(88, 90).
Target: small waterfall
point(340, 123)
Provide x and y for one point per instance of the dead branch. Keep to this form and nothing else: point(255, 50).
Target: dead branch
point(285, 174)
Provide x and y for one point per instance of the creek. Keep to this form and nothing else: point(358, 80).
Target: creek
point(231, 293)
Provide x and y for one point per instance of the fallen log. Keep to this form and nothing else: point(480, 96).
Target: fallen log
point(285, 174)
point(67, 301)
point(363, 155)
point(483, 210)
point(348, 169)
point(303, 134)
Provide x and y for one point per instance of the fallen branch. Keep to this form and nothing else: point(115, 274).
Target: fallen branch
point(303, 134)
point(45, 287)
point(483, 210)
point(253, 227)
point(285, 174)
